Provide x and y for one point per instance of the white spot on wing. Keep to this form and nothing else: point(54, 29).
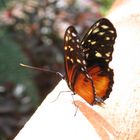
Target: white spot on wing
point(78, 46)
point(111, 31)
point(96, 30)
point(82, 42)
point(98, 54)
point(107, 60)
point(89, 31)
point(85, 67)
point(66, 38)
point(101, 33)
point(104, 26)
point(69, 38)
point(82, 69)
point(78, 40)
point(97, 24)
point(65, 48)
point(108, 54)
point(88, 76)
point(107, 38)
point(73, 34)
point(68, 57)
point(93, 42)
point(68, 31)
point(71, 49)
point(87, 54)
point(71, 60)
point(84, 62)
point(78, 60)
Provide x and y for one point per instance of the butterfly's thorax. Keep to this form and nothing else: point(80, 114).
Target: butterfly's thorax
point(87, 61)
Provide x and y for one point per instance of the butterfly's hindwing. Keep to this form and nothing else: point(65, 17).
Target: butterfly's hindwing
point(98, 48)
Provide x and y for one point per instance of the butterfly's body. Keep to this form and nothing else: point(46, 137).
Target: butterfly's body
point(87, 61)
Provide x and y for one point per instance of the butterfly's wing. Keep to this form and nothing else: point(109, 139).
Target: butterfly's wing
point(77, 77)
point(98, 48)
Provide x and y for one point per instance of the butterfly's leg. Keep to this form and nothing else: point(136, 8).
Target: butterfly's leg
point(59, 95)
point(76, 107)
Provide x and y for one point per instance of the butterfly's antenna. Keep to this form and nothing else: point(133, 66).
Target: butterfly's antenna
point(41, 69)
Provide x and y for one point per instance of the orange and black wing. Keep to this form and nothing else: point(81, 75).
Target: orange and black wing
point(76, 75)
point(98, 48)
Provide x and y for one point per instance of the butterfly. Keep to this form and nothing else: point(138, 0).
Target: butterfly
point(86, 62)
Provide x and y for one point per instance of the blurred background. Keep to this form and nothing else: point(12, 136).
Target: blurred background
point(32, 32)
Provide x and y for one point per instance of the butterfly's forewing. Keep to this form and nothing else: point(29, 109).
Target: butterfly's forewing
point(77, 77)
point(98, 47)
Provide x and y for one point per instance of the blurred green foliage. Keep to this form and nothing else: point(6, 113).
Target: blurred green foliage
point(106, 4)
point(2, 3)
point(10, 70)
